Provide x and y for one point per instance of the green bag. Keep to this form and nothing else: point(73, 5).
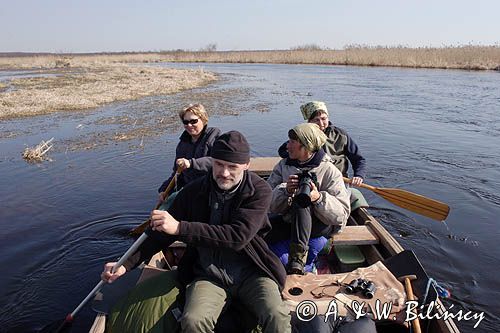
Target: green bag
point(148, 307)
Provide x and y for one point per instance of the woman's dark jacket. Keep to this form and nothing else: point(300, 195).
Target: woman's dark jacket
point(243, 227)
point(197, 153)
point(341, 148)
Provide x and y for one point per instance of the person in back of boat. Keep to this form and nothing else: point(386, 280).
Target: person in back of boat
point(222, 217)
point(193, 150)
point(339, 145)
point(303, 225)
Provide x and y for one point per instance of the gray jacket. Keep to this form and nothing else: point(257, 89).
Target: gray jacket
point(333, 208)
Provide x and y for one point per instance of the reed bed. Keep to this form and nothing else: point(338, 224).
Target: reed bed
point(469, 57)
point(54, 61)
point(89, 85)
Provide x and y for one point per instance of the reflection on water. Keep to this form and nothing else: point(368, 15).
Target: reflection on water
point(432, 132)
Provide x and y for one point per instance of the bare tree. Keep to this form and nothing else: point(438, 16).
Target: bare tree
point(212, 47)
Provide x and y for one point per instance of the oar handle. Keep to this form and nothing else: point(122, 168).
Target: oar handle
point(98, 287)
point(171, 184)
point(140, 229)
point(94, 291)
point(363, 185)
point(411, 297)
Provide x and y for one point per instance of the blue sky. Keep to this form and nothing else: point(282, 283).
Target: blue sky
point(126, 25)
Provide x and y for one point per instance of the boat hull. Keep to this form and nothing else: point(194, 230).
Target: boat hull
point(373, 240)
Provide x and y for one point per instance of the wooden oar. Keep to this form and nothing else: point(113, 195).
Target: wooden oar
point(63, 325)
point(140, 229)
point(419, 204)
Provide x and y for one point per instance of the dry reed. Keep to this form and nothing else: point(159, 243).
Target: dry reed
point(37, 153)
point(467, 57)
point(91, 85)
point(470, 57)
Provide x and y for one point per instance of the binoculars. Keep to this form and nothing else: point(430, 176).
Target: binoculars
point(367, 288)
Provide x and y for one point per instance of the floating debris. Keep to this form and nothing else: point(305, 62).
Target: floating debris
point(129, 153)
point(37, 154)
point(464, 239)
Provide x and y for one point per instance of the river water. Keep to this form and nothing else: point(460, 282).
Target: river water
point(433, 132)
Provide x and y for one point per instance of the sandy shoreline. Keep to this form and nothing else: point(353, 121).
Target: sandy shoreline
point(81, 85)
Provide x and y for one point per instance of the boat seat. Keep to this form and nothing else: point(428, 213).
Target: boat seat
point(263, 166)
point(355, 235)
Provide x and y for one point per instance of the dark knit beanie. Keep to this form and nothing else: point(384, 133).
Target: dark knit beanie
point(231, 147)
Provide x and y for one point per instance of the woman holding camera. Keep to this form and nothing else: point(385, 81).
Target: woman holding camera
point(193, 150)
point(339, 145)
point(300, 225)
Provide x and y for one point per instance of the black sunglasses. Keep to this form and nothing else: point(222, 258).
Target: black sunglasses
point(191, 121)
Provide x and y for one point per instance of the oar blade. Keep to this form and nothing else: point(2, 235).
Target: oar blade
point(137, 231)
point(419, 204)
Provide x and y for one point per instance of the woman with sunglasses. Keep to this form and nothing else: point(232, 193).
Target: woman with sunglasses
point(193, 150)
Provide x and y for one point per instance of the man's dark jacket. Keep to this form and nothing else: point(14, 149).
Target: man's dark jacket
point(243, 227)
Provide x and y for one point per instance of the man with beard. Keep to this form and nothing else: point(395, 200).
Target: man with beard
point(222, 217)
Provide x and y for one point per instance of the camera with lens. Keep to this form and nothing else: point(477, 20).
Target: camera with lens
point(367, 288)
point(303, 195)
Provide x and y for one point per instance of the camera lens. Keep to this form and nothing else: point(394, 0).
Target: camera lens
point(303, 194)
point(303, 200)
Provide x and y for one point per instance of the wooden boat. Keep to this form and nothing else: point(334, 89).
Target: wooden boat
point(365, 233)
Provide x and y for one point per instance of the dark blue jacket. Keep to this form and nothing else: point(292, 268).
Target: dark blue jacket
point(197, 153)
